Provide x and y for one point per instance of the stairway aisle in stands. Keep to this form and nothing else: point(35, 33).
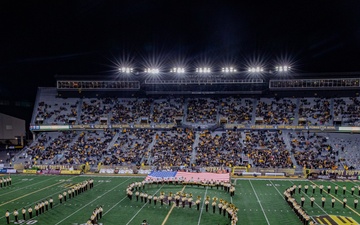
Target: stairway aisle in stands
point(196, 143)
point(150, 148)
point(253, 114)
point(287, 141)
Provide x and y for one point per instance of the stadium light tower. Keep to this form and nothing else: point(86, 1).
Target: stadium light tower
point(177, 70)
point(257, 69)
point(125, 70)
point(152, 70)
point(203, 70)
point(282, 69)
point(228, 70)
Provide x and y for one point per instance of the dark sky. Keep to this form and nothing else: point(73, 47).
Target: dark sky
point(42, 38)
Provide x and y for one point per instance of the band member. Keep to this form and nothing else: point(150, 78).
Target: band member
point(344, 190)
point(23, 211)
point(7, 215)
point(220, 205)
point(137, 196)
point(355, 202)
point(64, 195)
point(30, 212)
point(352, 190)
point(336, 189)
point(197, 202)
point(321, 187)
point(302, 201)
point(155, 199)
point(16, 213)
point(328, 189)
point(36, 210)
point(46, 205)
point(51, 202)
point(332, 202)
point(190, 201)
point(214, 204)
point(306, 188)
point(299, 188)
point(323, 199)
point(60, 198)
point(344, 202)
point(312, 199)
point(207, 203)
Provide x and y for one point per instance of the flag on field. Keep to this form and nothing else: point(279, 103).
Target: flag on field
point(188, 176)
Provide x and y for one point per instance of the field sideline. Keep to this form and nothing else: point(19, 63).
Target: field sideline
point(259, 202)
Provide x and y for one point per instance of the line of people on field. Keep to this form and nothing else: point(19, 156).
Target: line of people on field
point(183, 199)
point(5, 182)
point(222, 185)
point(95, 216)
point(40, 208)
point(76, 190)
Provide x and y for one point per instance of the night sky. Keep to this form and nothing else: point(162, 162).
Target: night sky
point(42, 38)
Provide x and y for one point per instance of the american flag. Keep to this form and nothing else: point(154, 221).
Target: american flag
point(189, 176)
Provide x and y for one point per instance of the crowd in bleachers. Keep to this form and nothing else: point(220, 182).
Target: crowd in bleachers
point(276, 111)
point(236, 110)
point(131, 147)
point(187, 147)
point(267, 149)
point(173, 148)
point(202, 110)
point(312, 150)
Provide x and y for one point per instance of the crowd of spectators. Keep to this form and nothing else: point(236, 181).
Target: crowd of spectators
point(202, 110)
point(167, 110)
point(173, 148)
point(236, 110)
point(267, 149)
point(180, 147)
point(131, 147)
point(347, 110)
point(276, 111)
point(316, 111)
point(312, 150)
point(219, 149)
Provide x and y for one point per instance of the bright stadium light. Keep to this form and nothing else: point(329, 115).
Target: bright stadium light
point(203, 70)
point(282, 68)
point(257, 69)
point(125, 70)
point(228, 70)
point(177, 70)
point(152, 70)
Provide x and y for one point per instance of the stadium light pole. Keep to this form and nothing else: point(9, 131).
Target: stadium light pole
point(125, 70)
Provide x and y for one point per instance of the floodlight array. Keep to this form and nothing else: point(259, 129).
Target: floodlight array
point(228, 70)
point(177, 70)
point(257, 69)
point(125, 70)
point(203, 70)
point(282, 68)
point(152, 70)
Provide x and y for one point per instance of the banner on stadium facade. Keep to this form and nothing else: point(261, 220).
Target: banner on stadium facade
point(30, 171)
point(57, 172)
point(70, 172)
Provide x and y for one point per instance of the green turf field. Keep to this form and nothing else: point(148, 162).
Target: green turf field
point(259, 202)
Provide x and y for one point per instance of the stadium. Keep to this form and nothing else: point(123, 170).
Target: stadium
point(191, 140)
point(179, 112)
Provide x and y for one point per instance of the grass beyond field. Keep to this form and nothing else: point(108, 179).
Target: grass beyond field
point(259, 202)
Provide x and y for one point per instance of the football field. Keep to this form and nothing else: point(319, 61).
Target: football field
point(259, 202)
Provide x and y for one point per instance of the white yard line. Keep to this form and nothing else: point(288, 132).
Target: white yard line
point(142, 207)
point(114, 205)
point(202, 207)
point(8, 192)
point(259, 203)
point(91, 202)
point(314, 201)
